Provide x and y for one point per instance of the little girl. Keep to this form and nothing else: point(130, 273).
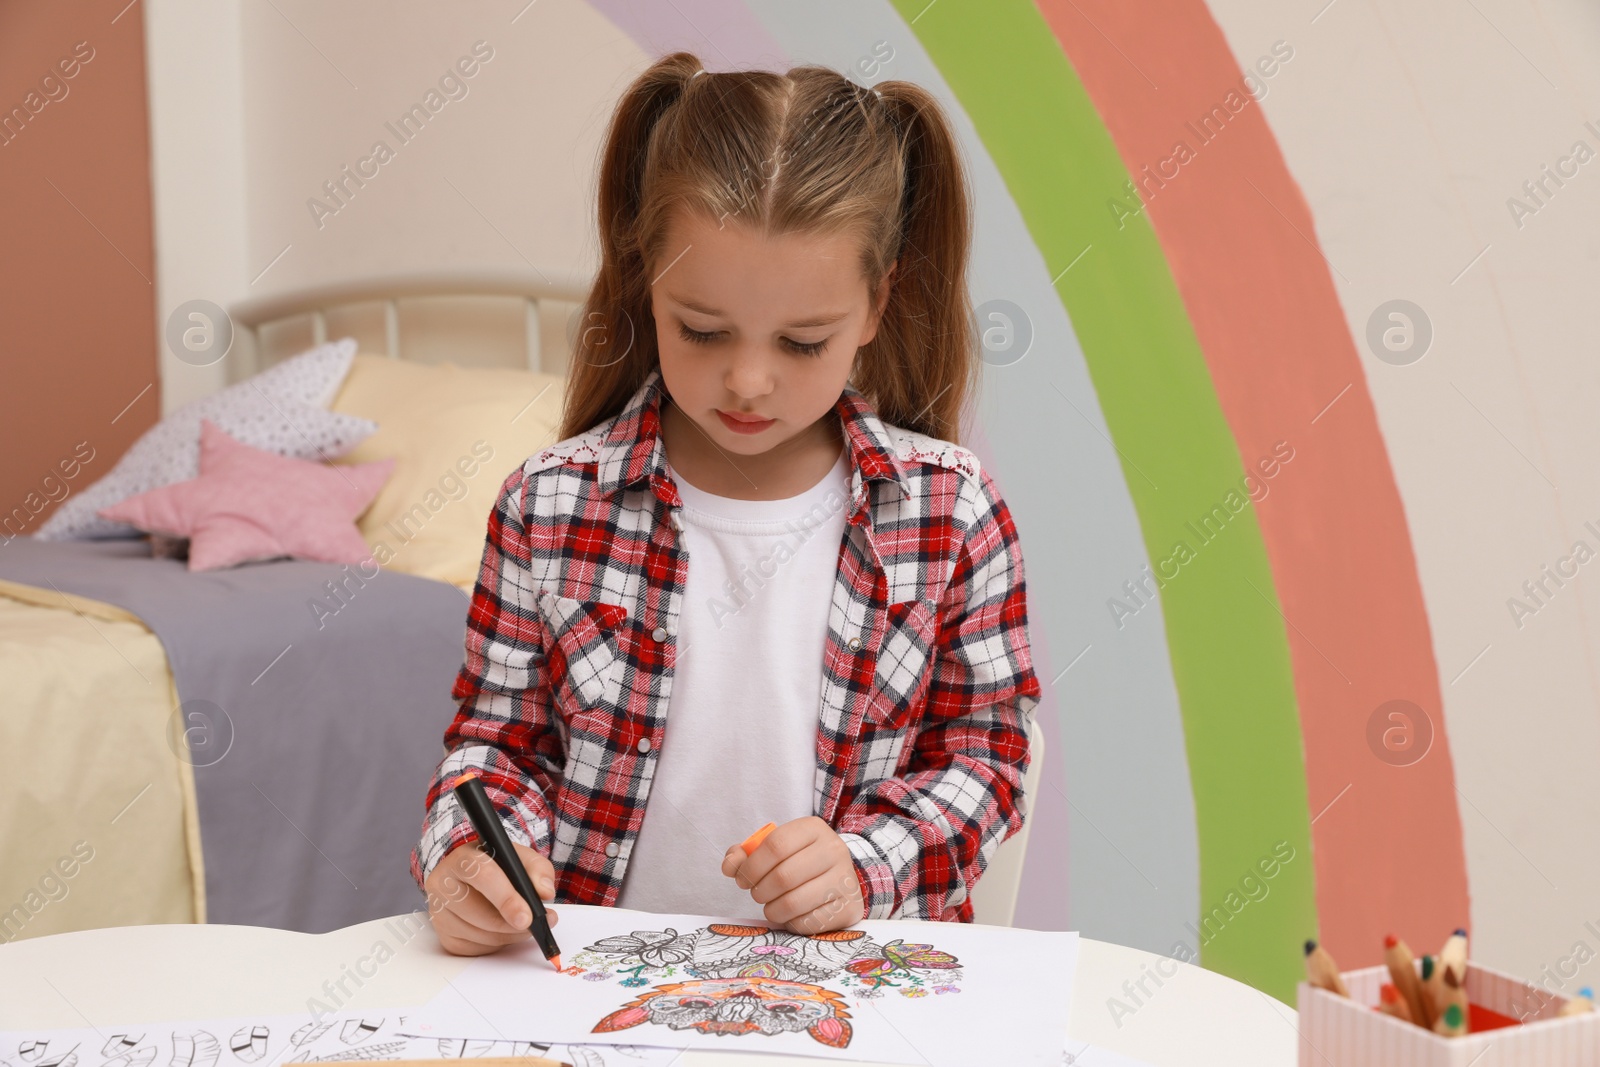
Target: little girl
point(756, 582)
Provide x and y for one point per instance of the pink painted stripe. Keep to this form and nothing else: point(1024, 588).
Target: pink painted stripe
point(1243, 249)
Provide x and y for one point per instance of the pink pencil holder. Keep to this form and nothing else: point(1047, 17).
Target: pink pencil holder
point(1340, 1032)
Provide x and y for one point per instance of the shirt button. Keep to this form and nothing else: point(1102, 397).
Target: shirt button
point(612, 850)
point(855, 644)
point(658, 635)
point(643, 745)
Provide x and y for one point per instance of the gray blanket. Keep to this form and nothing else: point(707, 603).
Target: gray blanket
point(313, 731)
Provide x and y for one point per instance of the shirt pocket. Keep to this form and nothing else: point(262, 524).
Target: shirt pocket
point(584, 661)
point(904, 661)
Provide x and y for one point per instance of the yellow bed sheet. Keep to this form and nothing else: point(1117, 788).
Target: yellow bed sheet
point(98, 825)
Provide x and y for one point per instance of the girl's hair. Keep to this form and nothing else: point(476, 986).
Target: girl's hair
point(804, 152)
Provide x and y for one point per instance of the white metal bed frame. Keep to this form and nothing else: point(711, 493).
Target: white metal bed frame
point(534, 287)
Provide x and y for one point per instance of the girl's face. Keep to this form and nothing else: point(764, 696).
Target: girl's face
point(757, 336)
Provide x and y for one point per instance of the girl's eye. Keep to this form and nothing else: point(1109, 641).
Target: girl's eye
point(813, 349)
point(696, 337)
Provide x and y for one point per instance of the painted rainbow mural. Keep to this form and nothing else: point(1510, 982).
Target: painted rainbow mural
point(1300, 443)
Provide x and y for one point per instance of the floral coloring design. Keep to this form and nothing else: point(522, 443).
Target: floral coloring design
point(738, 1006)
point(755, 979)
point(900, 960)
point(650, 948)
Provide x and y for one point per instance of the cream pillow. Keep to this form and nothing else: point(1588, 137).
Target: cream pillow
point(455, 435)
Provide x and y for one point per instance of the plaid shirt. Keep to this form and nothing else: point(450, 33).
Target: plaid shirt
point(927, 677)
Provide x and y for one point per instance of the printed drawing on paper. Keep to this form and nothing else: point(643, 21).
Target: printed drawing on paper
point(734, 980)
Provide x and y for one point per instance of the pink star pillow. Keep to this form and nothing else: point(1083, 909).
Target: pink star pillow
point(248, 504)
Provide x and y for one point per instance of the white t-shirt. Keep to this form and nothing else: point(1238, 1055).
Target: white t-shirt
point(740, 747)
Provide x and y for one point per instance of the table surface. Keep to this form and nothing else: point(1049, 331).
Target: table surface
point(155, 973)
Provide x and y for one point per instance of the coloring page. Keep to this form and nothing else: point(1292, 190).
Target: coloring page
point(892, 991)
point(271, 1040)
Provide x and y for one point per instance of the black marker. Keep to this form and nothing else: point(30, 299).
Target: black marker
point(492, 833)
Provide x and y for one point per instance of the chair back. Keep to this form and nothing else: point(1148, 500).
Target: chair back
point(994, 900)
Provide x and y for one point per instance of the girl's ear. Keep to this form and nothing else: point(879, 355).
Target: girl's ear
point(880, 300)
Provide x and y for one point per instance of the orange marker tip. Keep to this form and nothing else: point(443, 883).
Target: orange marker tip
point(1390, 941)
point(556, 959)
point(753, 842)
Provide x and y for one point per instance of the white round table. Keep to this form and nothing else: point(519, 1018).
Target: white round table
point(155, 973)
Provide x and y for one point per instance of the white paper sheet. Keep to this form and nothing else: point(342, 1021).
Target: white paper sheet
point(1083, 1054)
point(271, 1040)
point(894, 992)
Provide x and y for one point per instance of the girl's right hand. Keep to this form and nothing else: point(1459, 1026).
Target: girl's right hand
point(472, 904)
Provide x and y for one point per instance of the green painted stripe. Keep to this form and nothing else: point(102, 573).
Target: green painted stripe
point(1230, 654)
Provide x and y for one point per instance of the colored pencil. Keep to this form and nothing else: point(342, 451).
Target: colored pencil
point(1402, 968)
point(1390, 1002)
point(1322, 972)
point(1432, 987)
point(753, 842)
point(1454, 954)
point(1582, 1004)
point(1453, 1023)
point(1455, 996)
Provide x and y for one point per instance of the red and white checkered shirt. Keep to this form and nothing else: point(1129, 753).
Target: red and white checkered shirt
point(928, 681)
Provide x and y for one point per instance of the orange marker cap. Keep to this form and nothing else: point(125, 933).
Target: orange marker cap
point(753, 842)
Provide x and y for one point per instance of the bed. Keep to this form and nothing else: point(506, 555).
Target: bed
point(216, 746)
point(207, 747)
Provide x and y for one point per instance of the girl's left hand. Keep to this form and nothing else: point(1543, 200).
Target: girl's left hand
point(803, 875)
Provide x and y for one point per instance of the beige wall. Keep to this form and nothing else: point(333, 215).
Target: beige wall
point(197, 138)
point(255, 106)
point(500, 177)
